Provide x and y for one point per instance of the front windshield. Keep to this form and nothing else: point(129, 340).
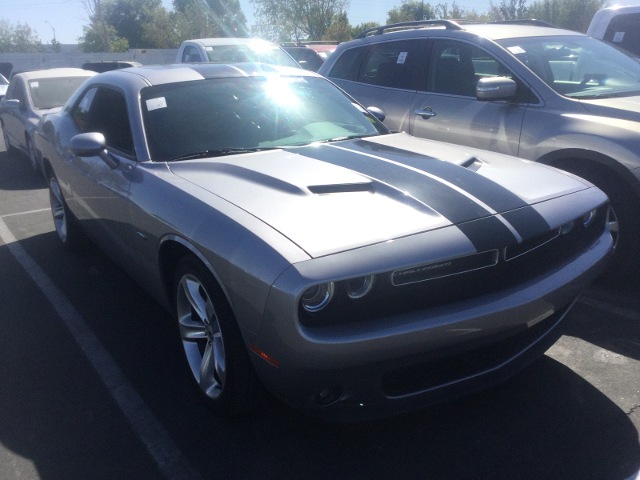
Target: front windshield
point(578, 66)
point(256, 53)
point(221, 116)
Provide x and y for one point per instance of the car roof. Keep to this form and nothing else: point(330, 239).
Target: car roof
point(55, 72)
point(493, 31)
point(183, 72)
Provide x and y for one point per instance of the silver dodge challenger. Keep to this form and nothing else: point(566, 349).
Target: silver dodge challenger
point(302, 247)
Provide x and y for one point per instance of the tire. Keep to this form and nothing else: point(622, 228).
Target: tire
point(33, 156)
point(7, 143)
point(212, 342)
point(65, 223)
point(624, 225)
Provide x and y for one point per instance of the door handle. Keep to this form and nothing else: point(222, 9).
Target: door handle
point(425, 112)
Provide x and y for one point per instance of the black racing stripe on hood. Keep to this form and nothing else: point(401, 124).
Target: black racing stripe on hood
point(450, 203)
point(486, 190)
point(527, 221)
point(445, 200)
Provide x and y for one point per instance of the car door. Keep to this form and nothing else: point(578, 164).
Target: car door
point(14, 115)
point(99, 192)
point(446, 108)
point(385, 75)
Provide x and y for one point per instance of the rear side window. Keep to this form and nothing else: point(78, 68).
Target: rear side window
point(347, 65)
point(393, 64)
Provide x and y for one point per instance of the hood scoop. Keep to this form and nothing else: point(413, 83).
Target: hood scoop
point(365, 187)
point(472, 163)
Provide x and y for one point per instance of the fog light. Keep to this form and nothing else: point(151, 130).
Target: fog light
point(318, 297)
point(359, 287)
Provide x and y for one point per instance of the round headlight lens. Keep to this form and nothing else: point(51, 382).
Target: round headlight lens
point(359, 287)
point(566, 228)
point(317, 297)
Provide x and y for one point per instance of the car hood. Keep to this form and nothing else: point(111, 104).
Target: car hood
point(333, 197)
point(626, 108)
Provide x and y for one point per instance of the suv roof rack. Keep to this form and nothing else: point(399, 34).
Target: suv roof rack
point(527, 21)
point(448, 24)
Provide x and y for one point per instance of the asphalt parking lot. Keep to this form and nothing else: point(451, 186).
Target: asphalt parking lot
point(92, 387)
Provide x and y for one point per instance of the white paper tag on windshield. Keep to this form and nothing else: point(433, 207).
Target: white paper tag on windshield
point(156, 103)
point(402, 57)
point(617, 37)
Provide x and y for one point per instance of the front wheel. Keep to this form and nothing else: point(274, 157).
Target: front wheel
point(623, 221)
point(65, 223)
point(212, 342)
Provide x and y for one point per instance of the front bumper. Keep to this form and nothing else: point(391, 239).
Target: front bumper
point(404, 362)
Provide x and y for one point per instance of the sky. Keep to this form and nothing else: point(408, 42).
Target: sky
point(65, 18)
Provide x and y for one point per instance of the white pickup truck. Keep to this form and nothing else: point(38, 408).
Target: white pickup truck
point(619, 26)
point(233, 50)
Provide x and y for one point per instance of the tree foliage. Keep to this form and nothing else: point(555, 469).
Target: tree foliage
point(570, 14)
point(286, 20)
point(411, 10)
point(19, 38)
point(508, 10)
point(209, 18)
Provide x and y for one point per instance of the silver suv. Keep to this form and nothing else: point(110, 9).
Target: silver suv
point(545, 94)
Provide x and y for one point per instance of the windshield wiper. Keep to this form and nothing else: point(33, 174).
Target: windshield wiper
point(218, 153)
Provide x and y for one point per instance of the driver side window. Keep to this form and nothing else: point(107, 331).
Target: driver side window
point(104, 110)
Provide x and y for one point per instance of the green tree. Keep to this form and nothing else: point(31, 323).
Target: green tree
point(18, 39)
point(409, 11)
point(283, 20)
point(130, 19)
point(570, 14)
point(209, 18)
point(339, 30)
point(102, 38)
point(357, 29)
point(508, 10)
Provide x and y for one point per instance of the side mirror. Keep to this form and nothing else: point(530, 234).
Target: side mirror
point(92, 144)
point(12, 103)
point(496, 88)
point(377, 112)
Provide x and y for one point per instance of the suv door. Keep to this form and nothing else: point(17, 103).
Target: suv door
point(384, 75)
point(446, 107)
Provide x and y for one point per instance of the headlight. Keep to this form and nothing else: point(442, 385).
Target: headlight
point(587, 218)
point(318, 297)
point(359, 287)
point(566, 228)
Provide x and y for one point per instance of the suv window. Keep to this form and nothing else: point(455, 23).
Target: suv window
point(388, 64)
point(104, 110)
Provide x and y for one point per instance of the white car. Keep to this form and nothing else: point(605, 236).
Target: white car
point(29, 97)
point(618, 25)
point(233, 50)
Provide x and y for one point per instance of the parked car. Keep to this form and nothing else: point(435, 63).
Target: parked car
point(230, 50)
point(106, 65)
point(618, 25)
point(553, 96)
point(30, 96)
point(4, 84)
point(353, 271)
point(306, 57)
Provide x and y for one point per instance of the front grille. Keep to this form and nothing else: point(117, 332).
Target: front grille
point(421, 287)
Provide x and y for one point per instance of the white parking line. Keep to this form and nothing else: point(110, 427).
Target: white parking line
point(159, 444)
